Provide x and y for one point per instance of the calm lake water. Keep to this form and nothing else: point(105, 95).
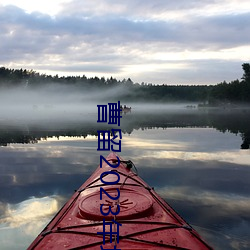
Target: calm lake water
point(197, 160)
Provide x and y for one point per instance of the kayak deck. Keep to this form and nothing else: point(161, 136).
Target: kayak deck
point(147, 221)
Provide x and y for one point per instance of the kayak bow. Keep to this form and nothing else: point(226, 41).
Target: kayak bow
point(147, 221)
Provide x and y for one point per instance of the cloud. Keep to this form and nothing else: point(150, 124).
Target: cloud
point(29, 210)
point(26, 220)
point(147, 9)
point(233, 204)
point(202, 31)
point(97, 39)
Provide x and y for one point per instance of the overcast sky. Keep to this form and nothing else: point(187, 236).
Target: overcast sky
point(154, 41)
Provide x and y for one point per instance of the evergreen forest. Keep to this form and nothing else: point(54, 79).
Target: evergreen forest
point(224, 93)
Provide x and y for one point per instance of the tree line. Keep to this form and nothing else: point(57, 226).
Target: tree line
point(236, 91)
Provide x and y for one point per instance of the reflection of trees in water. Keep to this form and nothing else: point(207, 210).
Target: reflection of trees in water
point(237, 122)
point(16, 137)
point(34, 134)
point(246, 141)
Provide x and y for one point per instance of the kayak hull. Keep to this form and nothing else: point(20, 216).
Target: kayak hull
point(147, 221)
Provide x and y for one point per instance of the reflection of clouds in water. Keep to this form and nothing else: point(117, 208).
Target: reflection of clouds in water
point(148, 144)
point(226, 216)
point(209, 186)
point(70, 139)
point(183, 139)
point(36, 170)
point(203, 144)
point(61, 157)
point(228, 203)
point(143, 140)
point(2, 209)
point(29, 211)
point(22, 222)
point(236, 157)
point(226, 240)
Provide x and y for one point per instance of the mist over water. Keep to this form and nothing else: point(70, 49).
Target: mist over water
point(59, 107)
point(61, 102)
point(45, 103)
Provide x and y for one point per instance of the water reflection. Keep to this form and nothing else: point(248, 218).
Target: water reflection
point(29, 210)
point(195, 166)
point(19, 222)
point(31, 131)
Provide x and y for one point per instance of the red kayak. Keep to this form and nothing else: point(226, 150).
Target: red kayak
point(116, 209)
